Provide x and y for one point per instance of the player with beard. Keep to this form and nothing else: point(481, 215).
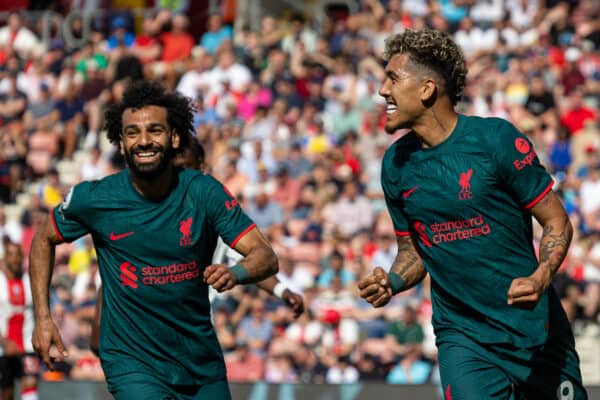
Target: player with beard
point(462, 192)
point(155, 227)
point(193, 157)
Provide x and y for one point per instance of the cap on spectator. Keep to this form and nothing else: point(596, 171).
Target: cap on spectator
point(331, 317)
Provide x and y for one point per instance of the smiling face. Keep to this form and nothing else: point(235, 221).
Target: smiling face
point(147, 141)
point(404, 92)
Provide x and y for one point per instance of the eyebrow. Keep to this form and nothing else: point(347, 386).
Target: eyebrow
point(391, 74)
point(149, 126)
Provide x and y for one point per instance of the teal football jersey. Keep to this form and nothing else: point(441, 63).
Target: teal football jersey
point(467, 202)
point(151, 254)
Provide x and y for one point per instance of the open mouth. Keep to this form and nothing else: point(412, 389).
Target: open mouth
point(146, 156)
point(390, 109)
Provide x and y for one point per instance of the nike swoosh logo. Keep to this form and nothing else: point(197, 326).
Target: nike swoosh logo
point(114, 236)
point(407, 194)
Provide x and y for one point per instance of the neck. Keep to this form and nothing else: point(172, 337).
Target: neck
point(436, 125)
point(155, 188)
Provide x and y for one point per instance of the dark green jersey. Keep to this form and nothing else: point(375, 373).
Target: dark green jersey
point(156, 312)
point(467, 202)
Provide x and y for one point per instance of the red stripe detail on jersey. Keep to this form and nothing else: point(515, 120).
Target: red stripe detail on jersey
point(448, 395)
point(52, 218)
point(402, 233)
point(16, 297)
point(241, 235)
point(540, 196)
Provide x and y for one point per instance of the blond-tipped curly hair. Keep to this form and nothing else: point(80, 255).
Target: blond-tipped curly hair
point(436, 51)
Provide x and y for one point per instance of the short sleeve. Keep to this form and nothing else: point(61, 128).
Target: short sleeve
point(69, 217)
point(394, 205)
point(519, 168)
point(228, 219)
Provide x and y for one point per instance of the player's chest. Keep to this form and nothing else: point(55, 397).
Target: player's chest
point(153, 230)
point(453, 184)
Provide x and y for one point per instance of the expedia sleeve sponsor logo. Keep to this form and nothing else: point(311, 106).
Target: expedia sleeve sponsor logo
point(525, 161)
point(451, 231)
point(523, 147)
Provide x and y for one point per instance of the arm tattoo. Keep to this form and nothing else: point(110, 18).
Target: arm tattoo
point(408, 263)
point(553, 247)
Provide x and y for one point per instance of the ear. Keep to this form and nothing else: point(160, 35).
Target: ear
point(428, 89)
point(175, 139)
point(121, 150)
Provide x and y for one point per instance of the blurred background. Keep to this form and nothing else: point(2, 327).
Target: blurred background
point(290, 119)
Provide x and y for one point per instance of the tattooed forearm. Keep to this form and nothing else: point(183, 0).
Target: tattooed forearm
point(408, 263)
point(554, 244)
point(551, 215)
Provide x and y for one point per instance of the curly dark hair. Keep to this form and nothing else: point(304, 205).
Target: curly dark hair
point(436, 51)
point(180, 110)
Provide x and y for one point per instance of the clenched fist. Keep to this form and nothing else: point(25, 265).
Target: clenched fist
point(220, 277)
point(375, 288)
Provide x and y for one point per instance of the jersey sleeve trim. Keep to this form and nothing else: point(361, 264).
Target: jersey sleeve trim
point(402, 233)
point(55, 226)
point(540, 196)
point(241, 235)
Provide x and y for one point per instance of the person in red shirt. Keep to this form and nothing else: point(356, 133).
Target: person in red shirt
point(177, 47)
point(16, 323)
point(575, 117)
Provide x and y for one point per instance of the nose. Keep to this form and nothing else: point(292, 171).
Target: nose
point(144, 138)
point(384, 91)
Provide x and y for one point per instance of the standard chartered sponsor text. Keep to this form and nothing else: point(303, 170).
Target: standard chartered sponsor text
point(462, 229)
point(173, 273)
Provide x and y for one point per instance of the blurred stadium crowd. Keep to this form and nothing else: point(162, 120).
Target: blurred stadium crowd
point(292, 124)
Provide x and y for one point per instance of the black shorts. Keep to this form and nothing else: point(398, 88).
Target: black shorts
point(16, 367)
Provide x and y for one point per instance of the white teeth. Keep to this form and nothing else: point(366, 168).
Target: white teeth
point(391, 109)
point(151, 154)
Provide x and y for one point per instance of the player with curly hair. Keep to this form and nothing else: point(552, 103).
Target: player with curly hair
point(155, 227)
point(462, 191)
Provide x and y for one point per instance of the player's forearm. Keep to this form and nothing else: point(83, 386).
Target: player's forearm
point(41, 259)
point(408, 264)
point(260, 264)
point(268, 284)
point(554, 245)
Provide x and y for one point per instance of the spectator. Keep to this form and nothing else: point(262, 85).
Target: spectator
point(255, 329)
point(216, 34)
point(342, 372)
point(244, 365)
point(177, 46)
point(13, 102)
point(16, 35)
point(350, 213)
point(333, 267)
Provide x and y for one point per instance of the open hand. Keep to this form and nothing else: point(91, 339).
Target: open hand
point(45, 334)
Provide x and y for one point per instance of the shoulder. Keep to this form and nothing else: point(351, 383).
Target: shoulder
point(95, 189)
point(200, 184)
point(488, 131)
